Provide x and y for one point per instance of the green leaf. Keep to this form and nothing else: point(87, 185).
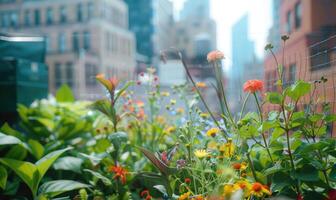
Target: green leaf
point(104, 106)
point(274, 98)
point(307, 173)
point(64, 94)
point(37, 148)
point(99, 176)
point(17, 152)
point(3, 177)
point(10, 131)
point(25, 170)
point(44, 163)
point(298, 90)
point(276, 168)
point(8, 139)
point(69, 163)
point(119, 92)
point(118, 138)
point(54, 188)
point(332, 174)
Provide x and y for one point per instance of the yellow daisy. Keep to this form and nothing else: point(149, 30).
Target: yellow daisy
point(201, 153)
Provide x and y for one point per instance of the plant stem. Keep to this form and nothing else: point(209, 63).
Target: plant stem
point(252, 166)
point(201, 96)
point(244, 104)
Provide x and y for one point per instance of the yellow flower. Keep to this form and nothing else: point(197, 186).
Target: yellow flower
point(160, 119)
point(198, 197)
point(245, 186)
point(184, 196)
point(212, 132)
point(201, 153)
point(230, 189)
point(204, 115)
point(169, 129)
point(200, 85)
point(173, 102)
point(259, 190)
point(227, 149)
point(212, 145)
point(180, 110)
point(165, 94)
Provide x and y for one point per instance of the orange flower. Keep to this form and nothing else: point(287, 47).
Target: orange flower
point(236, 166)
point(253, 86)
point(259, 190)
point(120, 172)
point(215, 56)
point(201, 85)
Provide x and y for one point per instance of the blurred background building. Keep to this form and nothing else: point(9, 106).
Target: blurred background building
point(244, 62)
point(84, 37)
point(310, 52)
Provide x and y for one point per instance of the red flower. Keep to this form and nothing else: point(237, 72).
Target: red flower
point(299, 197)
point(145, 194)
point(120, 173)
point(253, 86)
point(187, 180)
point(332, 195)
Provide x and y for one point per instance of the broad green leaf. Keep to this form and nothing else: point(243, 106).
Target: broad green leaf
point(298, 90)
point(276, 168)
point(118, 138)
point(69, 163)
point(3, 177)
point(332, 174)
point(64, 94)
point(44, 163)
point(307, 173)
point(25, 170)
point(37, 148)
point(10, 131)
point(17, 152)
point(8, 139)
point(104, 106)
point(102, 145)
point(99, 176)
point(274, 98)
point(54, 188)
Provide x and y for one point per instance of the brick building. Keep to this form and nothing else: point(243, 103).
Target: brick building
point(84, 37)
point(310, 51)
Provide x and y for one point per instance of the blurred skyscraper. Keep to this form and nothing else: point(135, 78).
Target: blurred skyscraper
point(243, 53)
point(83, 38)
point(274, 32)
point(195, 9)
point(152, 22)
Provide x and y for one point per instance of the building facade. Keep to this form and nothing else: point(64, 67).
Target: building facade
point(83, 38)
point(310, 52)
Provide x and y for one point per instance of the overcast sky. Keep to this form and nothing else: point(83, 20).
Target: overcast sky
point(227, 12)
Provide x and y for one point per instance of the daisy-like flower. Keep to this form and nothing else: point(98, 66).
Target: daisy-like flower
point(227, 149)
point(201, 153)
point(259, 190)
point(212, 132)
point(184, 196)
point(253, 86)
point(230, 189)
point(239, 166)
point(120, 173)
point(215, 56)
point(169, 129)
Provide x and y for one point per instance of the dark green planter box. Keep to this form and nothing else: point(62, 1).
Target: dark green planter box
point(21, 82)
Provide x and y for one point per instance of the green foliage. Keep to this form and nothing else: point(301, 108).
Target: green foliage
point(54, 188)
point(64, 94)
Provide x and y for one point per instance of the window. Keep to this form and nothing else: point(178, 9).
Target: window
point(50, 16)
point(69, 79)
point(298, 15)
point(90, 72)
point(75, 42)
point(27, 17)
point(61, 43)
point(79, 12)
point(87, 40)
point(90, 10)
point(58, 75)
point(289, 22)
point(48, 43)
point(14, 19)
point(37, 17)
point(63, 14)
point(292, 74)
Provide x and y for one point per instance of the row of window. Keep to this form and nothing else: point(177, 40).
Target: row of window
point(297, 18)
point(117, 44)
point(34, 17)
point(80, 40)
point(288, 78)
point(65, 74)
